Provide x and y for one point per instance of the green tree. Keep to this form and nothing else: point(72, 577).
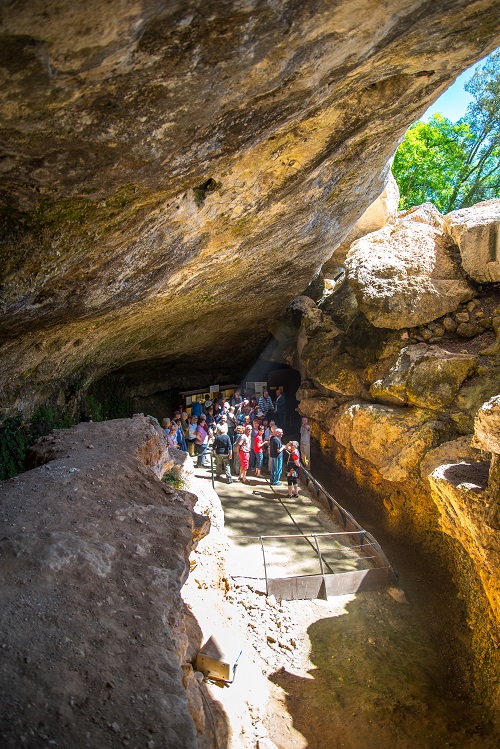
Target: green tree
point(455, 165)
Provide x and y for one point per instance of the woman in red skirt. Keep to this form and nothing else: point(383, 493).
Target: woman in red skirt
point(244, 443)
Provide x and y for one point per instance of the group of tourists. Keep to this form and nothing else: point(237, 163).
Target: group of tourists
point(244, 434)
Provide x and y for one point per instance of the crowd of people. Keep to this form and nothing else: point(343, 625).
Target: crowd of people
point(244, 434)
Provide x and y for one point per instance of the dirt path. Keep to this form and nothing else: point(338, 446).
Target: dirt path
point(351, 672)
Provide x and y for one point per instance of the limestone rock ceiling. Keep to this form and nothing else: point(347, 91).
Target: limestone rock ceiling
point(174, 173)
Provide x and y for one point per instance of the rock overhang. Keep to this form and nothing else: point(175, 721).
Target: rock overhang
point(176, 174)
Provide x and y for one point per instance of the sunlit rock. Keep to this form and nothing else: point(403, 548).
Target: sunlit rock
point(383, 210)
point(487, 426)
point(321, 409)
point(476, 231)
point(454, 451)
point(406, 274)
point(394, 440)
point(468, 497)
point(424, 376)
point(427, 213)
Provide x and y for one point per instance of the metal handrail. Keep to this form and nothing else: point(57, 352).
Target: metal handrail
point(309, 535)
point(364, 535)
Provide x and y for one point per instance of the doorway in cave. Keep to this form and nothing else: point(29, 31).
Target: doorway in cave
point(288, 380)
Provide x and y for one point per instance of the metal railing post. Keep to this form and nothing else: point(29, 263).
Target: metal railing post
point(265, 566)
point(320, 561)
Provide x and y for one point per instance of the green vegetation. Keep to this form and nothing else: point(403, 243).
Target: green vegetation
point(108, 400)
point(15, 441)
point(93, 408)
point(455, 165)
point(174, 477)
point(16, 437)
point(200, 192)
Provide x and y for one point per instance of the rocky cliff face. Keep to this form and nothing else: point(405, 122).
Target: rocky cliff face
point(96, 641)
point(174, 173)
point(401, 375)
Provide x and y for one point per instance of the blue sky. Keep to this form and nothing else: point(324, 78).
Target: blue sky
point(453, 103)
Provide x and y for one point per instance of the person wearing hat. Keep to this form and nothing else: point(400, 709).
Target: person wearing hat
point(292, 468)
point(222, 426)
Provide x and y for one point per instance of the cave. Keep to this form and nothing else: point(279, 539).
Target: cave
point(197, 193)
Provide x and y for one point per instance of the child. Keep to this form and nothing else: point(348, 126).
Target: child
point(292, 468)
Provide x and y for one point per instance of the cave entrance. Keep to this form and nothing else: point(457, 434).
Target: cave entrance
point(288, 380)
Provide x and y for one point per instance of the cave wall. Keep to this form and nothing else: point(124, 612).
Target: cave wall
point(174, 173)
point(400, 379)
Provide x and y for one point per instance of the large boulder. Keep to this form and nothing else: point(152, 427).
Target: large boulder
point(458, 450)
point(483, 385)
point(424, 376)
point(330, 367)
point(487, 426)
point(94, 550)
point(319, 408)
point(405, 275)
point(427, 213)
point(341, 304)
point(392, 439)
point(476, 231)
point(467, 495)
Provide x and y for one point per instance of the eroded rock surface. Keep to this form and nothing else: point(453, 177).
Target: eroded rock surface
point(394, 402)
point(468, 497)
point(405, 275)
point(94, 551)
point(424, 376)
point(476, 231)
point(174, 167)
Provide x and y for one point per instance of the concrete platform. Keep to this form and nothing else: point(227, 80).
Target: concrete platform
point(256, 509)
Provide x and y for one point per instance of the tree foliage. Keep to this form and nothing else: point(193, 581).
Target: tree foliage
point(455, 165)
